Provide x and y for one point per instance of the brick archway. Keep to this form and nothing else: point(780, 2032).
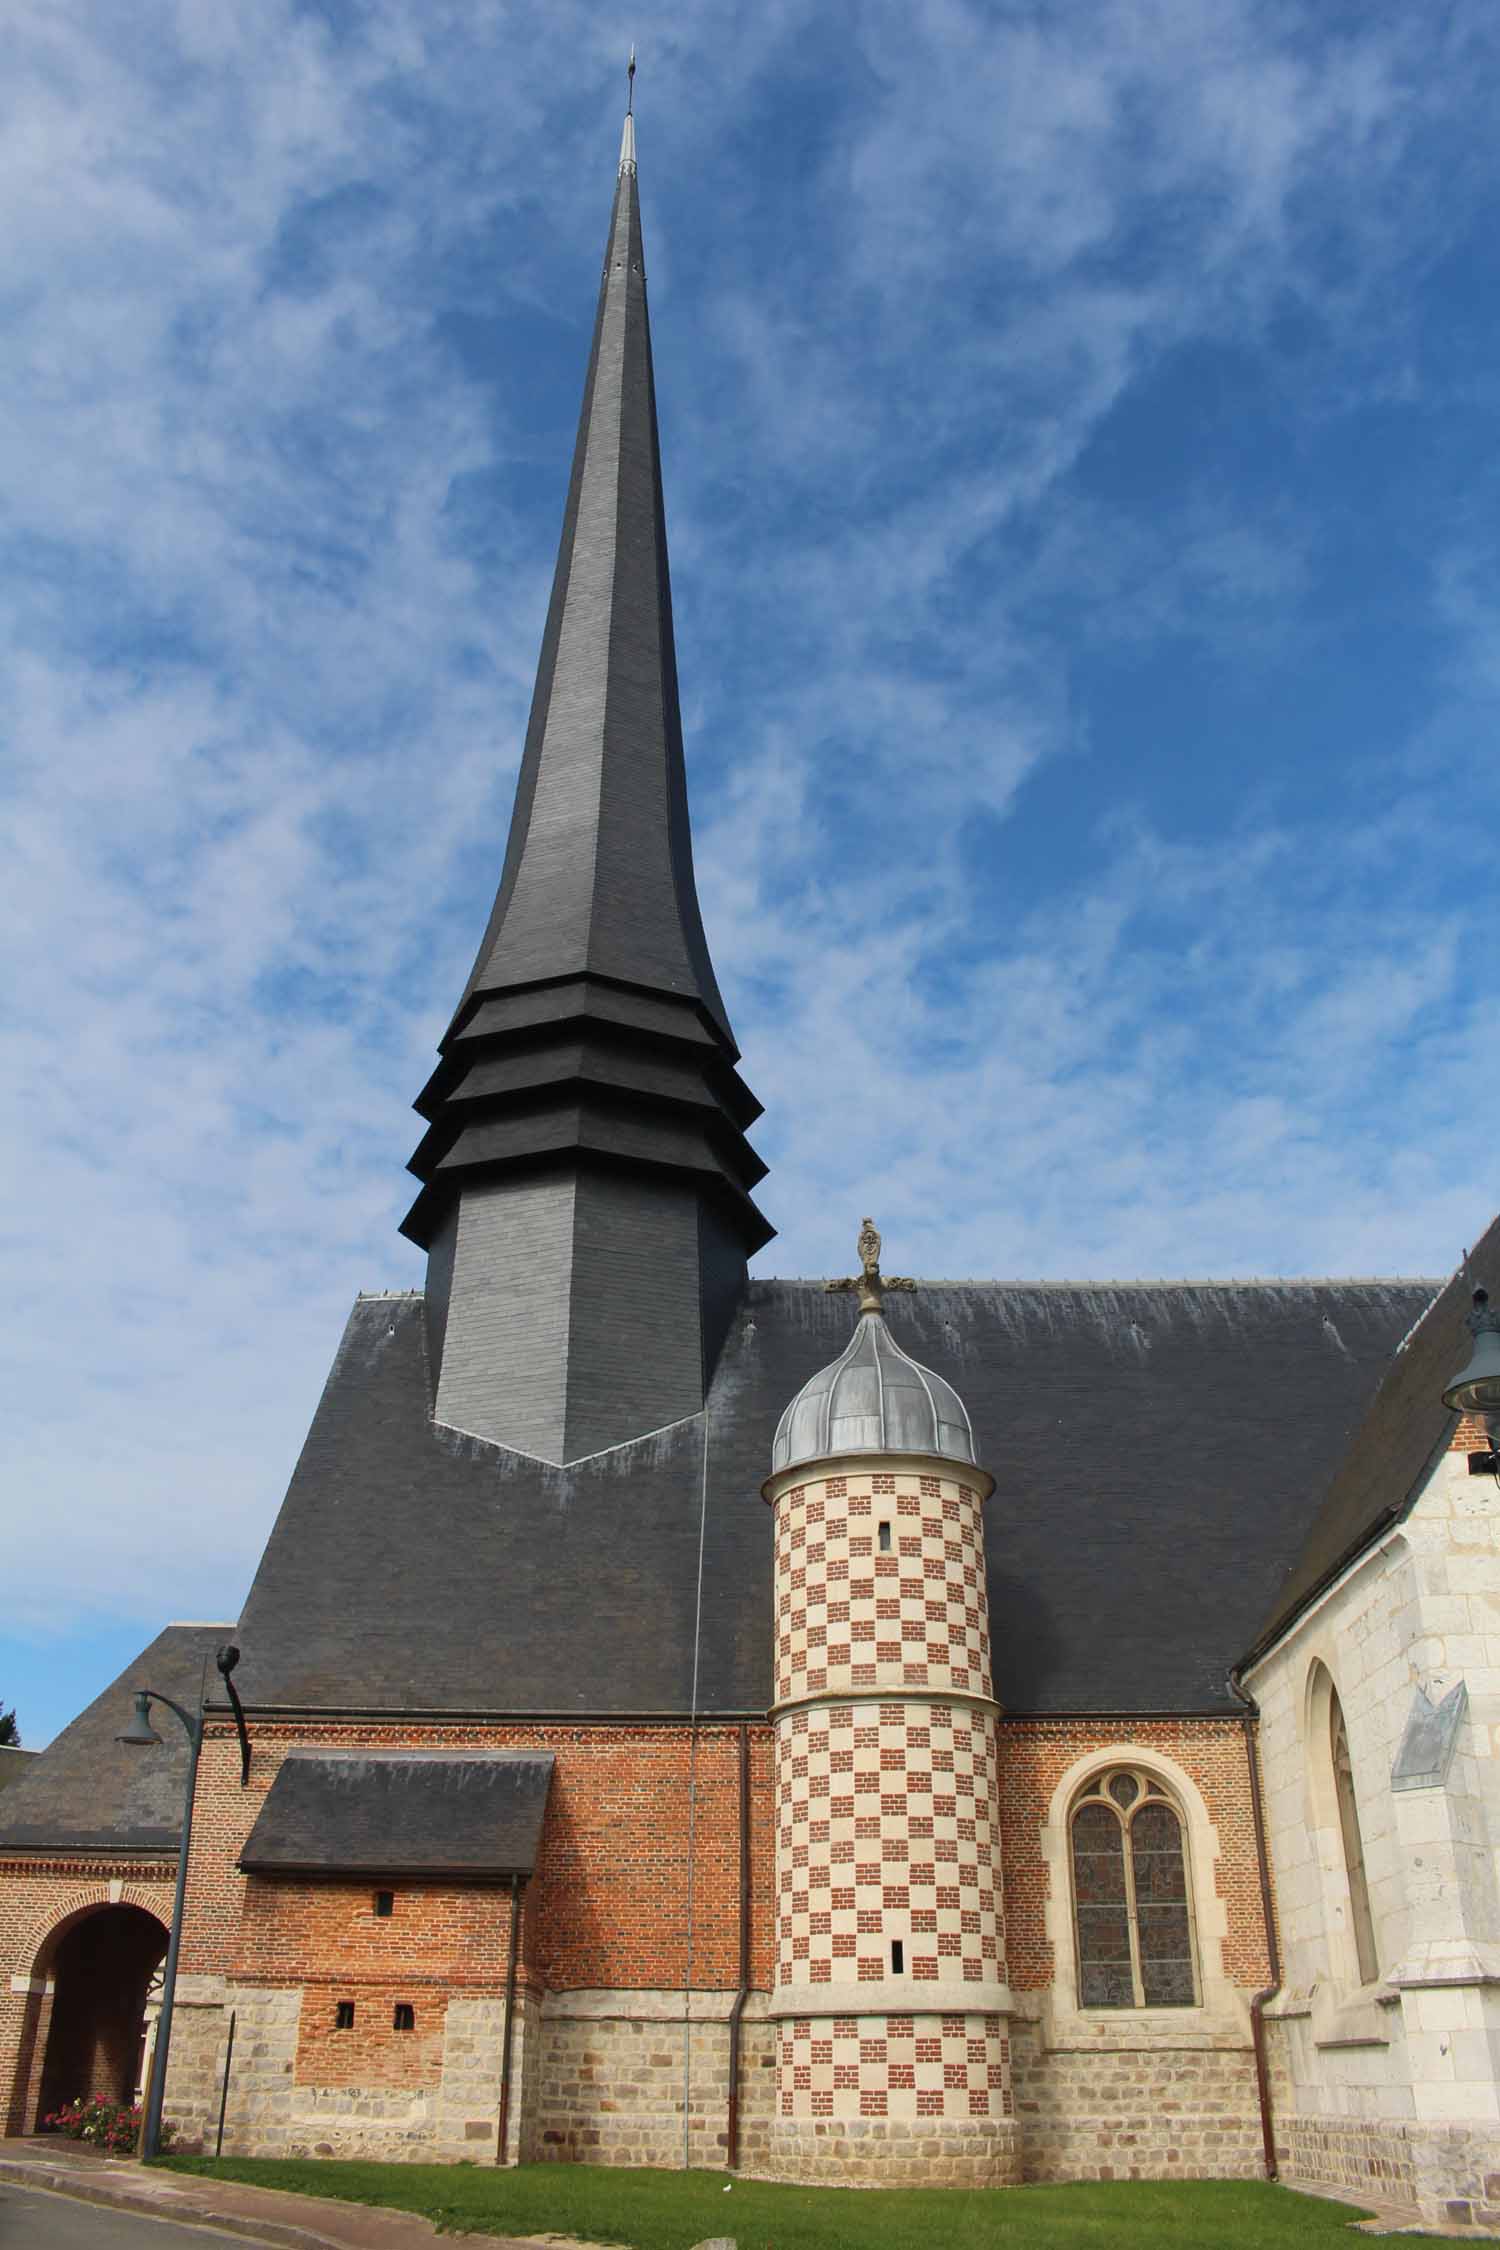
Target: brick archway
point(91, 1969)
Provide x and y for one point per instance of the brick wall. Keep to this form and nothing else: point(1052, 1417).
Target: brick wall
point(434, 1934)
point(40, 1900)
point(1034, 1756)
point(607, 1914)
point(608, 1908)
point(608, 1904)
point(371, 2051)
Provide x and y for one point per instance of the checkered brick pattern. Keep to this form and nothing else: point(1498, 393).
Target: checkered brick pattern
point(888, 1827)
point(860, 1609)
point(887, 1805)
point(894, 2066)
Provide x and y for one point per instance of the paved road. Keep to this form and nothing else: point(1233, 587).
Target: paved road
point(31, 2219)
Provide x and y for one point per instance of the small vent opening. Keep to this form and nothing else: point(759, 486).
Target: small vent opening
point(405, 2017)
point(385, 1902)
point(343, 2015)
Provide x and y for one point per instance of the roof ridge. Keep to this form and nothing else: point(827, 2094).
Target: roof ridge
point(1149, 1281)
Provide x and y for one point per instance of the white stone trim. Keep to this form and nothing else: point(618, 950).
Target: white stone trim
point(892, 1996)
point(201, 1991)
point(891, 1689)
point(638, 2004)
point(782, 1481)
point(1223, 2010)
point(1342, 2007)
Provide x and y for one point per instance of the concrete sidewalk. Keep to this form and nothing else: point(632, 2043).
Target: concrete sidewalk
point(266, 2215)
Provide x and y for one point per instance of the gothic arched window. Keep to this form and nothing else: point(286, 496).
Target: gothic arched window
point(1130, 1895)
point(1353, 1842)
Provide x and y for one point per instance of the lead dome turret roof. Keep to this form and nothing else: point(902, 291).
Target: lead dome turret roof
point(874, 1398)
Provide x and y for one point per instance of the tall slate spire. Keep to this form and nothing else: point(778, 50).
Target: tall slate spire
point(585, 1203)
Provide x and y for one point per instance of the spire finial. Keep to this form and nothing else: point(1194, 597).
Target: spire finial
point(627, 138)
point(870, 1281)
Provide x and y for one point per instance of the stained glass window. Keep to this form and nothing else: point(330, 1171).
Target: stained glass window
point(1130, 1897)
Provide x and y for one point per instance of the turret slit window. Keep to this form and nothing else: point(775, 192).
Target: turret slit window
point(1131, 1904)
point(1353, 1843)
point(898, 1958)
point(885, 1538)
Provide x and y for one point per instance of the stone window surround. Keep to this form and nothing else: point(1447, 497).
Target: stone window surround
point(1222, 2014)
point(1344, 2010)
point(1146, 1782)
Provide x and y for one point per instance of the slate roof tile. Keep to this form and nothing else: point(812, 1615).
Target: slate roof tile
point(88, 1792)
point(1159, 1452)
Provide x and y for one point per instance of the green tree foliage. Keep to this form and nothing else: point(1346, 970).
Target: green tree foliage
point(10, 1733)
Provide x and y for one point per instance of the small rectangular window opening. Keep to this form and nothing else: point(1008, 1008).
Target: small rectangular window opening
point(898, 1958)
point(405, 2018)
point(384, 1902)
point(885, 1539)
point(343, 2015)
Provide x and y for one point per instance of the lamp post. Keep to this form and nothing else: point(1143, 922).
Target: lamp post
point(1475, 1389)
point(142, 1735)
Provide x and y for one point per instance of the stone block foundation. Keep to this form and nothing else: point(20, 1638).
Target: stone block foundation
point(272, 2111)
point(897, 2151)
point(1446, 2174)
point(1135, 2113)
point(1364, 2156)
point(614, 2070)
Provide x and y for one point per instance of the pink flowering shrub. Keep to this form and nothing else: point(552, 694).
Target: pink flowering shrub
point(114, 2127)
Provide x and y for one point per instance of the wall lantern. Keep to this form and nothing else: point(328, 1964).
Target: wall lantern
point(1475, 1389)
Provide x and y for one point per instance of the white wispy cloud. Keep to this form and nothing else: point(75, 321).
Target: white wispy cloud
point(297, 302)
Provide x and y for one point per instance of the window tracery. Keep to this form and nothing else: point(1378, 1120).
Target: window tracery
point(1131, 1900)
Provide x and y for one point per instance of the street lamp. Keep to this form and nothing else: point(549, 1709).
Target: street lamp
point(1475, 1389)
point(142, 1735)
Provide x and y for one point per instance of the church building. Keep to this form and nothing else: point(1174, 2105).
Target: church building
point(937, 1732)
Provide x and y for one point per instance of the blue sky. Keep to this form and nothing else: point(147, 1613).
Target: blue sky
point(1080, 434)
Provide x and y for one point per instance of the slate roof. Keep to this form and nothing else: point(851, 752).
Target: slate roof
point(1159, 1451)
point(1390, 1453)
point(400, 1812)
point(592, 1024)
point(14, 1761)
point(598, 876)
point(88, 1792)
point(586, 1125)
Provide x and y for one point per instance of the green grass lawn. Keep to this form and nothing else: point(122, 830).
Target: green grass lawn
point(673, 2210)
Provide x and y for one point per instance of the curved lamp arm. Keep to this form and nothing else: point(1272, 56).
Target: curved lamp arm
point(225, 1661)
point(189, 1726)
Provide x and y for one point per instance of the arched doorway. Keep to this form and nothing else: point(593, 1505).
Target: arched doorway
point(101, 1966)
